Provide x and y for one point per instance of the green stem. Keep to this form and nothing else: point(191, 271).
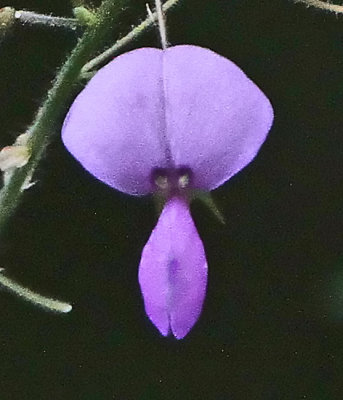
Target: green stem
point(50, 114)
point(137, 31)
point(35, 298)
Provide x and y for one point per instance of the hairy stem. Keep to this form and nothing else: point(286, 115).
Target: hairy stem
point(161, 24)
point(137, 31)
point(32, 18)
point(323, 5)
point(9, 17)
point(35, 298)
point(51, 112)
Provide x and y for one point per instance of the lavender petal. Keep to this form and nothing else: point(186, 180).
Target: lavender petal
point(115, 125)
point(216, 117)
point(173, 271)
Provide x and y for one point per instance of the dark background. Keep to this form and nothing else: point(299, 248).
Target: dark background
point(272, 323)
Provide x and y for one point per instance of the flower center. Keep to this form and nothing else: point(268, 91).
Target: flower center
point(169, 182)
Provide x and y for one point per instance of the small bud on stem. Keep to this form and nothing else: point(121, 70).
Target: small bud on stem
point(15, 156)
point(6, 20)
point(84, 16)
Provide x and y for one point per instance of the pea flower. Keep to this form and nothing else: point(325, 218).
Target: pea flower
point(169, 121)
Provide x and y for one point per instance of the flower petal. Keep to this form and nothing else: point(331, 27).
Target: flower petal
point(115, 127)
point(185, 106)
point(216, 117)
point(173, 271)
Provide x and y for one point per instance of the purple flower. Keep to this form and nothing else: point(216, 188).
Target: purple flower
point(169, 121)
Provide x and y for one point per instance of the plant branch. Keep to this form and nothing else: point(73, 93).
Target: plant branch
point(35, 298)
point(34, 19)
point(323, 5)
point(49, 116)
point(134, 34)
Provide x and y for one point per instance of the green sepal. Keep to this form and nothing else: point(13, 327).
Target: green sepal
point(207, 200)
